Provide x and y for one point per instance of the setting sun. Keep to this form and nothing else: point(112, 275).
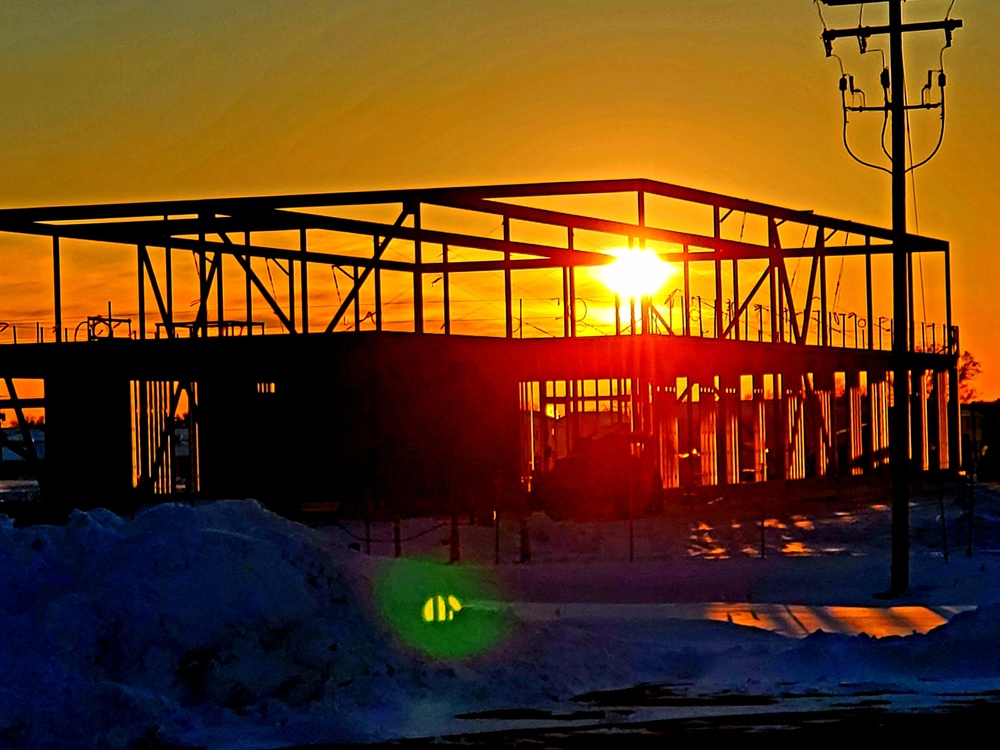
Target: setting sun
point(636, 272)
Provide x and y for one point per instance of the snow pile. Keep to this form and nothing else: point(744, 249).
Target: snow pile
point(182, 619)
point(967, 648)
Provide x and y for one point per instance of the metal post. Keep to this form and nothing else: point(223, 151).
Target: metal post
point(202, 289)
point(525, 541)
point(418, 276)
point(507, 284)
point(57, 287)
point(454, 547)
point(357, 300)
point(249, 286)
point(378, 288)
point(140, 257)
point(446, 292)
point(291, 293)
point(219, 294)
point(304, 280)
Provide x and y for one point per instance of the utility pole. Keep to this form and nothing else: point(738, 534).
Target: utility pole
point(899, 453)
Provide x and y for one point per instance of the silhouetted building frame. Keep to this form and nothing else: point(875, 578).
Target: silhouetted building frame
point(756, 378)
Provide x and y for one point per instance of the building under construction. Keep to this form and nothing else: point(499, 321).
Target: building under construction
point(431, 350)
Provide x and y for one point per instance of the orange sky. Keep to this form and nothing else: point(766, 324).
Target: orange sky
point(141, 100)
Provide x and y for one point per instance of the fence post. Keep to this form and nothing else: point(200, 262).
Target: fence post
point(455, 552)
point(525, 541)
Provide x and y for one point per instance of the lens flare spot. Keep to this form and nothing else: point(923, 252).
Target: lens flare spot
point(421, 601)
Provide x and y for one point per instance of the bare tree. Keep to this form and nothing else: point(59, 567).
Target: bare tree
point(968, 369)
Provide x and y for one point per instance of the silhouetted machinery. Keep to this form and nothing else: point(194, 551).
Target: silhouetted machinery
point(604, 478)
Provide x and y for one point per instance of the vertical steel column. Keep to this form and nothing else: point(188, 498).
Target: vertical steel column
point(571, 288)
point(508, 285)
point(140, 253)
point(202, 289)
point(774, 301)
point(357, 299)
point(687, 291)
point(57, 287)
point(824, 316)
point(291, 294)
point(736, 299)
point(248, 291)
point(446, 294)
point(220, 297)
point(719, 327)
point(418, 275)
point(304, 279)
point(378, 288)
point(912, 336)
point(949, 346)
point(168, 262)
point(868, 291)
point(565, 301)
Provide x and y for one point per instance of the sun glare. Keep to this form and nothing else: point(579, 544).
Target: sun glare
point(635, 272)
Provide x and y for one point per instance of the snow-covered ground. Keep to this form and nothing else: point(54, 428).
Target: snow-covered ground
point(225, 626)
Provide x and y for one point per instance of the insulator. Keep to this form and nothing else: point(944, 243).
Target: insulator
point(942, 79)
point(884, 78)
point(843, 83)
point(863, 44)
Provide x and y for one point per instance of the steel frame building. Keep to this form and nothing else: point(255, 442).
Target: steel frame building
point(432, 349)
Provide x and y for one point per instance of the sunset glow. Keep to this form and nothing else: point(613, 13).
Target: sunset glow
point(636, 272)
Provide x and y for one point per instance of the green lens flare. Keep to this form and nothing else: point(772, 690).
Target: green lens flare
point(444, 611)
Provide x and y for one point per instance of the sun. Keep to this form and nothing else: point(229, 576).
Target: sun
point(635, 272)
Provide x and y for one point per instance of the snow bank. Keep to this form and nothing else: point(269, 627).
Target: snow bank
point(224, 625)
point(179, 620)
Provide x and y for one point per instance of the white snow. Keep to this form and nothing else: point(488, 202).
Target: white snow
point(223, 625)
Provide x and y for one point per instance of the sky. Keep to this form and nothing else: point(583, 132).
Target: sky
point(122, 101)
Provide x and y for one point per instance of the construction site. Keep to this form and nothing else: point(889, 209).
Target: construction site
point(403, 352)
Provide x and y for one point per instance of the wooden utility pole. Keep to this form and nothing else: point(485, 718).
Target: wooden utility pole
point(899, 452)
